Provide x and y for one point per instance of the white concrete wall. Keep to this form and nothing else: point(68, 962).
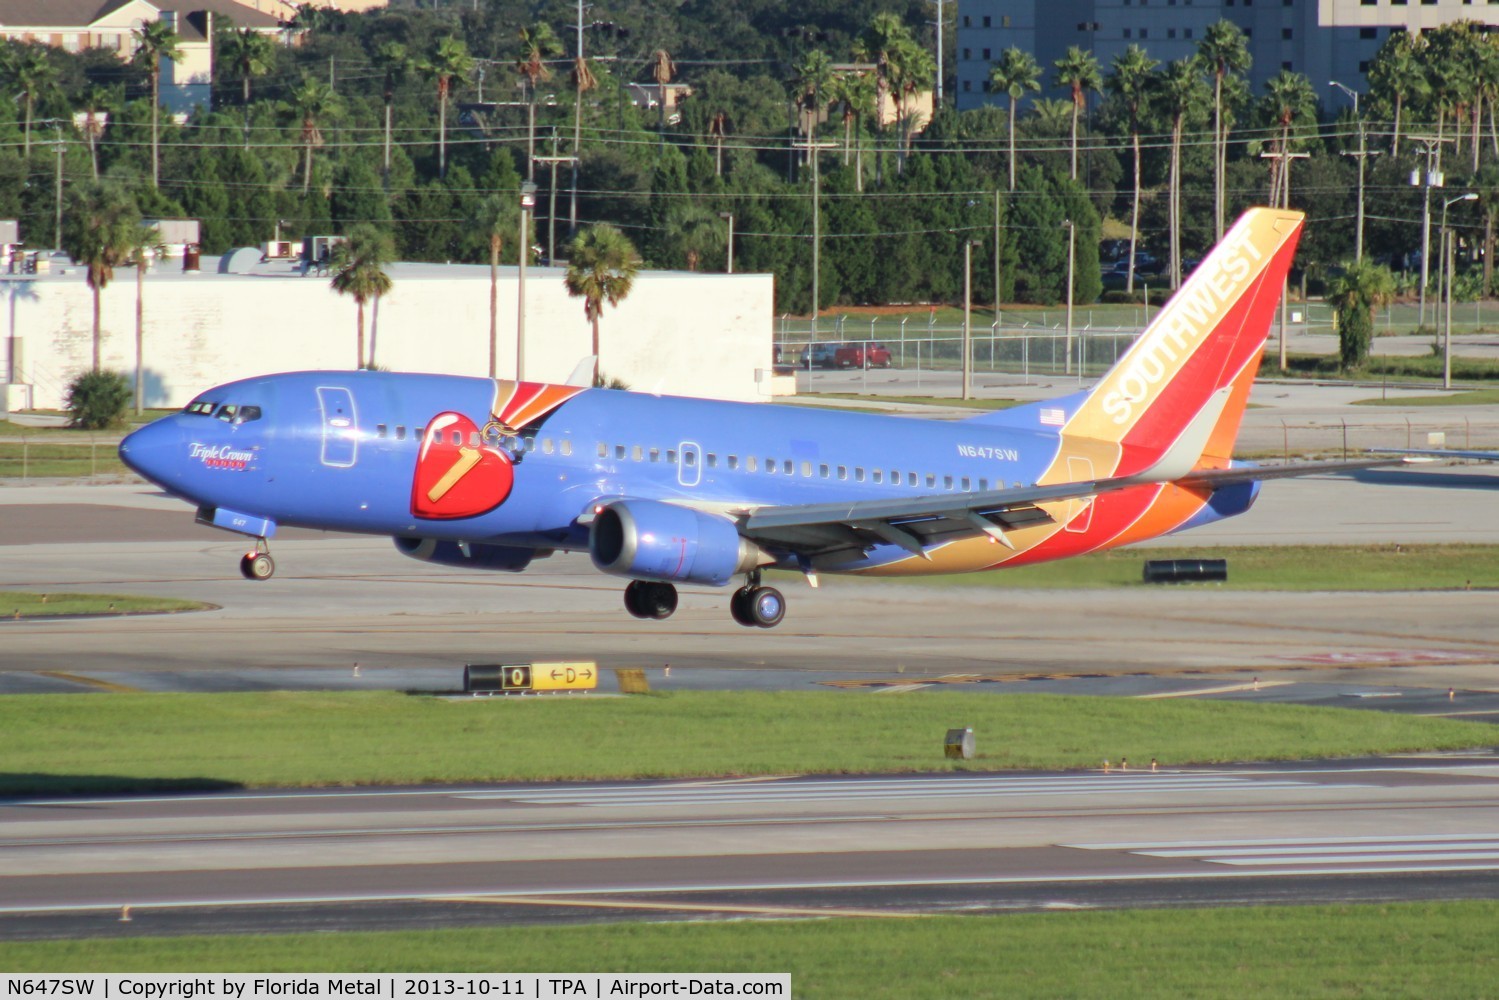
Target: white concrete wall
point(676, 333)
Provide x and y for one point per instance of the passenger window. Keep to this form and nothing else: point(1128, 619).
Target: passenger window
point(947, 482)
point(983, 485)
point(457, 438)
point(567, 446)
point(637, 453)
point(910, 479)
point(877, 476)
point(473, 439)
point(379, 430)
point(400, 432)
point(603, 450)
point(418, 431)
point(712, 460)
point(823, 471)
point(655, 454)
point(619, 452)
point(750, 464)
point(966, 484)
point(689, 458)
point(770, 466)
point(546, 446)
point(931, 481)
point(806, 470)
point(842, 472)
point(530, 444)
point(733, 461)
point(786, 468)
point(671, 455)
point(858, 474)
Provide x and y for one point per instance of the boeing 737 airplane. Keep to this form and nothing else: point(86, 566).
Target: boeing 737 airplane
point(486, 474)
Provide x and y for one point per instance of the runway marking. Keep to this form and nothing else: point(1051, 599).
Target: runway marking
point(1224, 689)
point(900, 688)
point(92, 682)
point(774, 911)
point(1425, 852)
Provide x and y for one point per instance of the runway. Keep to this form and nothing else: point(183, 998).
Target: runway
point(872, 846)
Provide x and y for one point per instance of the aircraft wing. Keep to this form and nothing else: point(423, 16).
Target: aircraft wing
point(913, 523)
point(1479, 456)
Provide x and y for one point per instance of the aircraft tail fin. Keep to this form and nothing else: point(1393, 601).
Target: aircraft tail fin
point(1176, 397)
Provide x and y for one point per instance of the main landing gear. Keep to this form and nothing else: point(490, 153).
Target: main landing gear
point(755, 606)
point(648, 599)
point(258, 565)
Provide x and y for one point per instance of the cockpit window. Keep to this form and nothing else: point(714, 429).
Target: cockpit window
point(226, 412)
point(202, 406)
point(230, 413)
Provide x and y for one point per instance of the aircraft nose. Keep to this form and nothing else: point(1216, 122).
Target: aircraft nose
point(154, 451)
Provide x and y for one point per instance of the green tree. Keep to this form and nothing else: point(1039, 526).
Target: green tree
point(31, 73)
point(601, 267)
point(394, 63)
point(246, 53)
point(1397, 76)
point(1179, 96)
point(1132, 81)
point(1224, 51)
point(1078, 72)
point(99, 233)
point(1362, 287)
point(95, 103)
point(538, 43)
point(1016, 72)
point(810, 84)
point(856, 93)
point(447, 63)
point(358, 264)
point(311, 101)
point(1289, 101)
point(97, 400)
point(155, 41)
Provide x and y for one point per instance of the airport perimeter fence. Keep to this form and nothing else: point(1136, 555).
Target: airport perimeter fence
point(58, 455)
point(1357, 437)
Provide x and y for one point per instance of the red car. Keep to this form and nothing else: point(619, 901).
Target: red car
point(862, 355)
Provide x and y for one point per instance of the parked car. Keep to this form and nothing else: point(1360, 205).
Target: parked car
point(862, 355)
point(820, 356)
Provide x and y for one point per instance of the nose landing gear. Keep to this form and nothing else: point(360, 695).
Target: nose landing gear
point(648, 599)
point(754, 606)
point(258, 564)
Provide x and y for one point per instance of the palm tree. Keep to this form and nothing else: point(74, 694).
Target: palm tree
point(96, 101)
point(810, 85)
point(1363, 287)
point(718, 127)
point(695, 231)
point(880, 44)
point(1078, 71)
point(99, 232)
point(1397, 75)
point(313, 100)
point(154, 42)
point(247, 54)
point(1132, 81)
point(1180, 93)
point(662, 70)
point(856, 92)
point(496, 218)
point(146, 242)
point(358, 264)
point(31, 73)
point(911, 70)
point(538, 43)
point(394, 63)
point(601, 267)
point(1223, 50)
point(1014, 74)
point(1289, 99)
point(448, 62)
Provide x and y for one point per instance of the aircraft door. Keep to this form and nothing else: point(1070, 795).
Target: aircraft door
point(340, 426)
point(689, 464)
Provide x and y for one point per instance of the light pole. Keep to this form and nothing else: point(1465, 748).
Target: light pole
point(1446, 239)
point(527, 202)
point(968, 246)
point(57, 190)
point(1071, 268)
point(998, 256)
point(814, 148)
point(1362, 154)
point(729, 217)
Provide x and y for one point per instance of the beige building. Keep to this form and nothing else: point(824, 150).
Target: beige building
point(677, 333)
point(75, 25)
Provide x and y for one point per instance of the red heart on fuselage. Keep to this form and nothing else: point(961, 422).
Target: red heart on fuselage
point(457, 474)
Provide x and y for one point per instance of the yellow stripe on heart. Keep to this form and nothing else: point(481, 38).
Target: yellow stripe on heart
point(467, 459)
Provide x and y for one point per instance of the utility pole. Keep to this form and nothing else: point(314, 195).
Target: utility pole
point(57, 191)
point(1432, 179)
point(813, 148)
point(998, 255)
point(1284, 190)
point(1363, 154)
point(968, 246)
point(1071, 268)
point(729, 217)
point(940, 25)
point(572, 214)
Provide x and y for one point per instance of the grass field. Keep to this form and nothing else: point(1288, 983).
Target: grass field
point(1267, 567)
point(112, 742)
point(58, 457)
point(1471, 397)
point(24, 604)
point(1393, 950)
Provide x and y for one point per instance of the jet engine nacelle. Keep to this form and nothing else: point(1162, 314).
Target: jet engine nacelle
point(650, 540)
point(467, 555)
